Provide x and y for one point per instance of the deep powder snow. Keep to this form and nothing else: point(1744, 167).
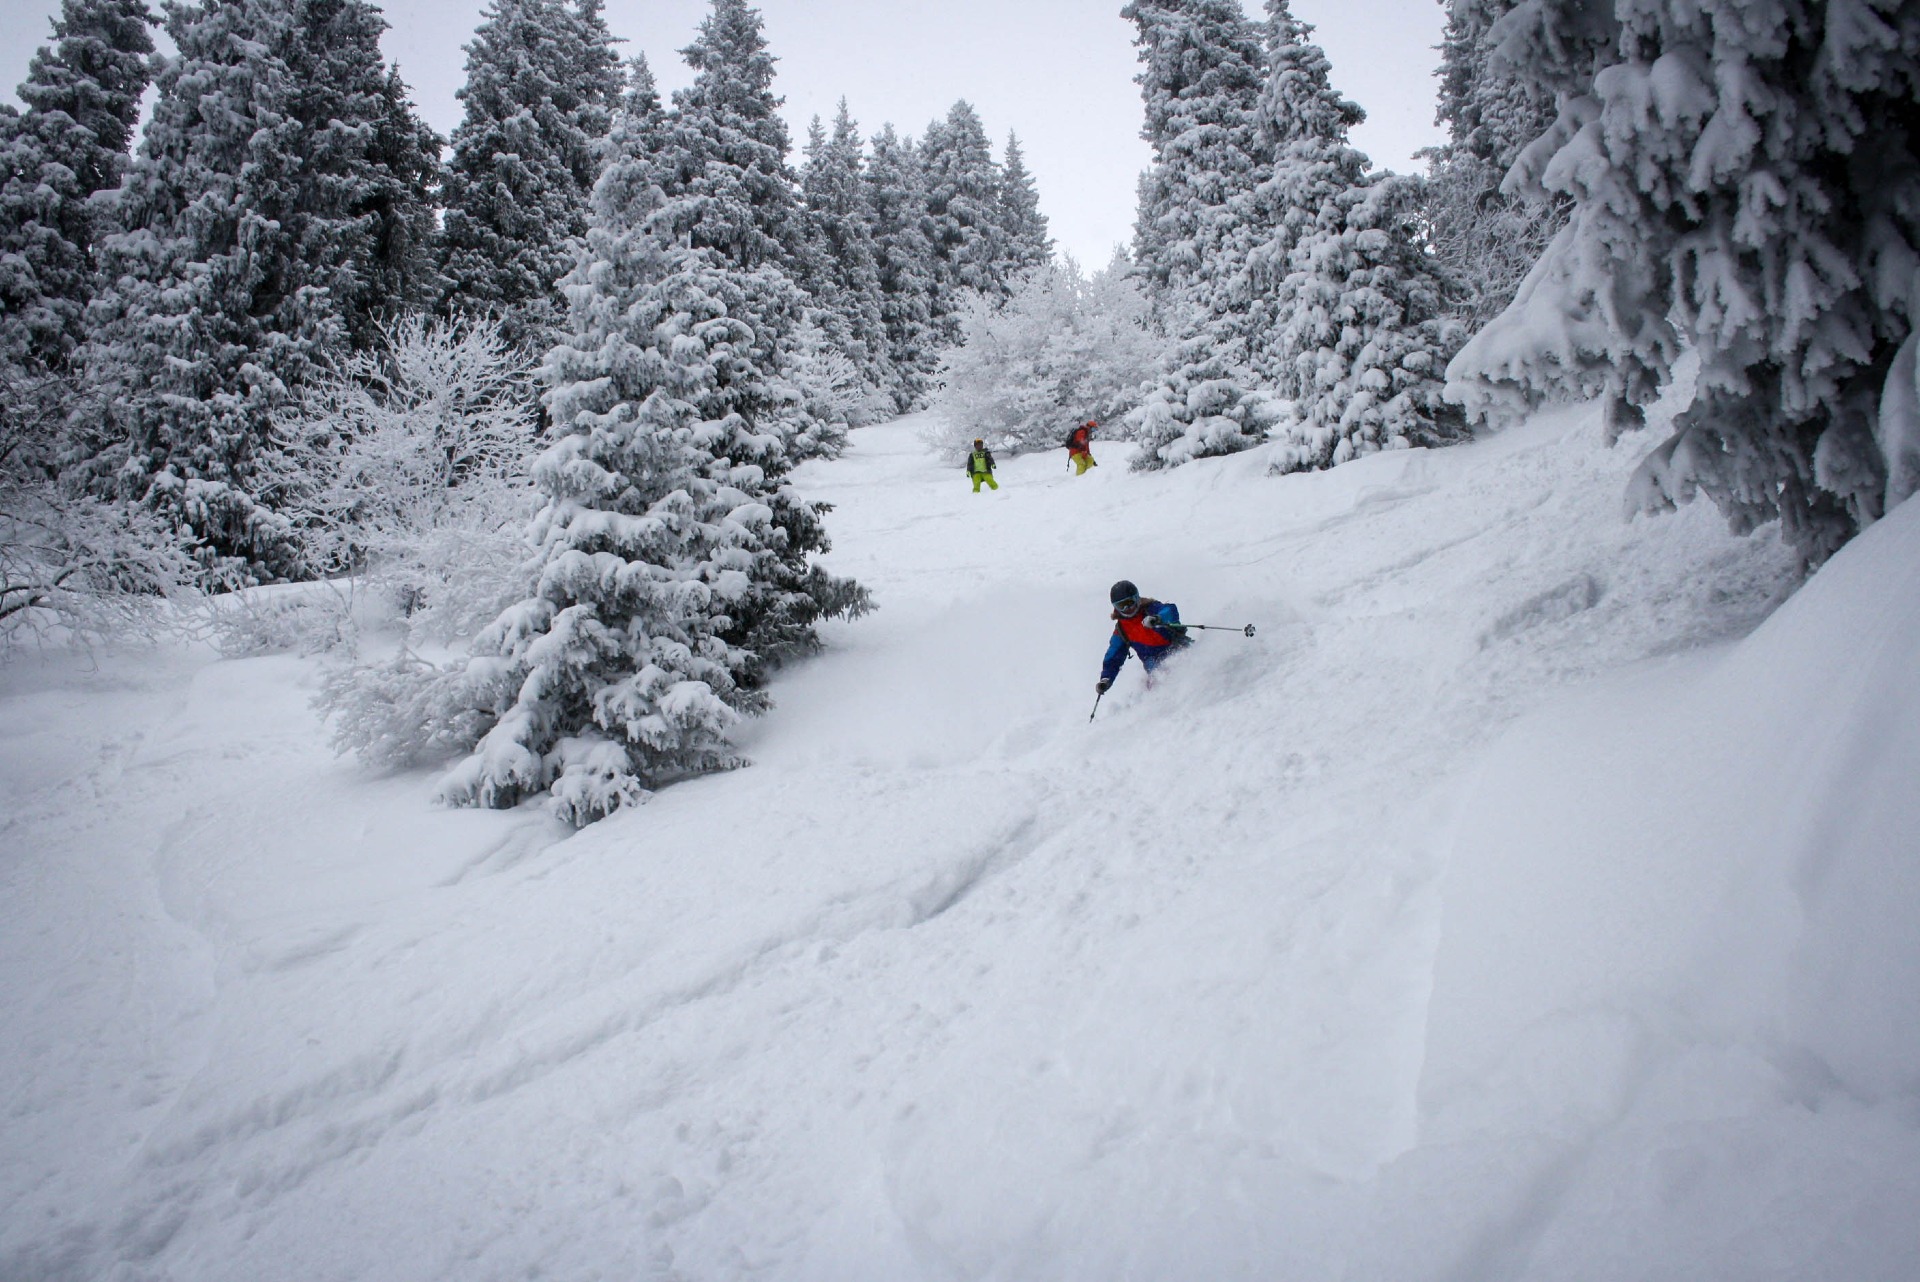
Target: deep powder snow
point(1502, 909)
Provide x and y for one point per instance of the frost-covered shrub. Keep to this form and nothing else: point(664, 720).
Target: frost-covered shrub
point(829, 393)
point(408, 712)
point(1484, 240)
point(1063, 349)
point(76, 567)
point(415, 459)
point(413, 464)
point(307, 619)
point(1484, 243)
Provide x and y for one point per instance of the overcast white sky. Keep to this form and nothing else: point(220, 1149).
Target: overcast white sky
point(1057, 72)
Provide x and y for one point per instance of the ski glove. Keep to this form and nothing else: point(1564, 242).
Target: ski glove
point(1102, 686)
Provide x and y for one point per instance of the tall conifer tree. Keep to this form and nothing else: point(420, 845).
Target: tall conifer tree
point(208, 321)
point(841, 229)
point(275, 214)
point(82, 96)
point(372, 168)
point(1023, 226)
point(896, 193)
point(542, 83)
point(723, 155)
point(963, 222)
point(1201, 79)
point(1345, 305)
point(722, 163)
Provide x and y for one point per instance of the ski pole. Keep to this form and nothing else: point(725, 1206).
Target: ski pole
point(1096, 705)
point(1246, 631)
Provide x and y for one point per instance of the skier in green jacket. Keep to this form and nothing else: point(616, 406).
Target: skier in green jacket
point(980, 465)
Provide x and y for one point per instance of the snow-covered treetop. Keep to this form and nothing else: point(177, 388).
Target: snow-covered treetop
point(723, 149)
point(1298, 99)
point(95, 71)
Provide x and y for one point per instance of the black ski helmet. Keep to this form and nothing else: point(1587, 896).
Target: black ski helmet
point(1123, 591)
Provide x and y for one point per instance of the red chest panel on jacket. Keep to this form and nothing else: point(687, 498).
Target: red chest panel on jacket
point(1137, 631)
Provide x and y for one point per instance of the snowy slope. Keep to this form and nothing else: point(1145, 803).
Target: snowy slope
point(1495, 912)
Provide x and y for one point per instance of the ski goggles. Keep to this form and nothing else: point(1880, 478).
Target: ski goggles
point(1128, 608)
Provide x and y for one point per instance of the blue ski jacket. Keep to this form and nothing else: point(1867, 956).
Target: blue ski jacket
point(1136, 634)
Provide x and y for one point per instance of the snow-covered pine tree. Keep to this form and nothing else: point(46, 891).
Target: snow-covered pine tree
point(542, 82)
point(721, 161)
point(723, 154)
point(1557, 325)
point(1492, 109)
point(640, 103)
point(274, 215)
point(832, 394)
point(1343, 296)
point(962, 219)
point(1023, 227)
point(82, 96)
point(840, 229)
point(674, 565)
point(1484, 240)
point(1201, 81)
point(896, 194)
point(371, 172)
point(207, 318)
point(1745, 179)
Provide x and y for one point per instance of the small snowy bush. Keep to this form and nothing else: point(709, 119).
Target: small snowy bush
point(1206, 403)
point(77, 567)
point(309, 619)
point(408, 712)
point(829, 393)
point(1063, 349)
point(414, 461)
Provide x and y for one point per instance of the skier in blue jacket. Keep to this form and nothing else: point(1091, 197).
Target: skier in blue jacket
point(1143, 625)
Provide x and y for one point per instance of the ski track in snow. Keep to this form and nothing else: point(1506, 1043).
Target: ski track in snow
point(950, 984)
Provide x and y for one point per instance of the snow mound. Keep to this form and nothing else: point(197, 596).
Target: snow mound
point(1678, 979)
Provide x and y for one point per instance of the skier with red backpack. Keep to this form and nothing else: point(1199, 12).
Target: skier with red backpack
point(1080, 448)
